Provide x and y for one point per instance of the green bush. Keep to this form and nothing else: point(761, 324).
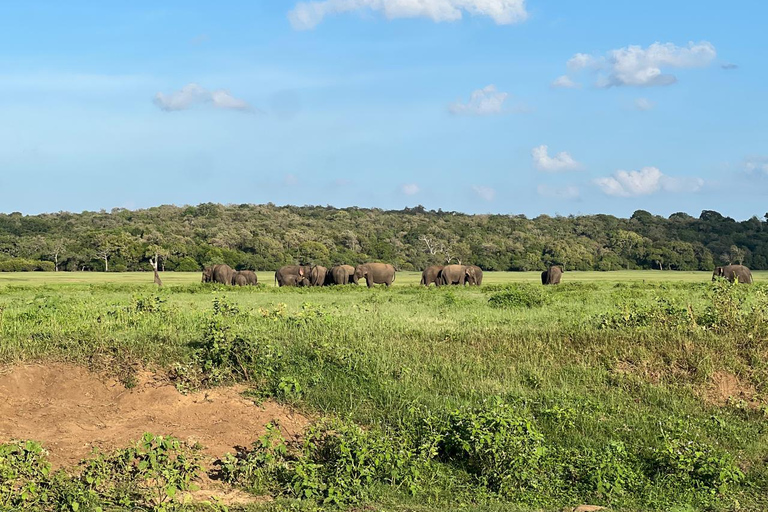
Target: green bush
point(22, 265)
point(520, 296)
point(500, 448)
point(24, 472)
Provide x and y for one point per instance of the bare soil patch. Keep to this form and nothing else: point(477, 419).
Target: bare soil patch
point(726, 386)
point(70, 411)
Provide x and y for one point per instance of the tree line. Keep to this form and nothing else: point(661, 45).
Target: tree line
point(265, 237)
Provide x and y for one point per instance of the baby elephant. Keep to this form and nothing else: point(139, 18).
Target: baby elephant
point(295, 280)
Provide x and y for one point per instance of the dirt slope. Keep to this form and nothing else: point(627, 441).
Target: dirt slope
point(70, 410)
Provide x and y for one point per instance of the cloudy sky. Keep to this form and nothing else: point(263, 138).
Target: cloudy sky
point(503, 106)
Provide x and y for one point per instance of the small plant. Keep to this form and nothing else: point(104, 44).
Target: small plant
point(150, 474)
point(221, 307)
point(697, 464)
point(24, 472)
point(147, 304)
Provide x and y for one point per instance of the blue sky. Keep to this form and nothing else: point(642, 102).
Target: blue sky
point(481, 106)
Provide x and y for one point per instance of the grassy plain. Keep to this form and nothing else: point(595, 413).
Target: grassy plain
point(402, 279)
point(609, 389)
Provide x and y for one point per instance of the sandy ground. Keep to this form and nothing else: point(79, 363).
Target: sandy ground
point(70, 411)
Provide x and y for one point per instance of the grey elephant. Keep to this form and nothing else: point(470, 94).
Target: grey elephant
point(551, 276)
point(431, 275)
point(317, 275)
point(374, 273)
point(299, 271)
point(295, 280)
point(457, 275)
point(341, 274)
point(244, 278)
point(478, 275)
point(218, 274)
point(733, 272)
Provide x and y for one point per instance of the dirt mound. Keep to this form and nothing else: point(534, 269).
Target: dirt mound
point(70, 411)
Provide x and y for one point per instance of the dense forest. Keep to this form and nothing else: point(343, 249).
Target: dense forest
point(264, 237)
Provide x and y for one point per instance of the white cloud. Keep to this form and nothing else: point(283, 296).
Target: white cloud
point(567, 192)
point(756, 164)
point(307, 15)
point(483, 102)
point(565, 82)
point(289, 180)
point(410, 189)
point(581, 61)
point(646, 181)
point(644, 104)
point(561, 162)
point(642, 67)
point(484, 193)
point(193, 94)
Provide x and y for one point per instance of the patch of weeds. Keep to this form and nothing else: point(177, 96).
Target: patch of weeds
point(500, 448)
point(149, 475)
point(147, 304)
point(24, 472)
point(518, 297)
point(336, 463)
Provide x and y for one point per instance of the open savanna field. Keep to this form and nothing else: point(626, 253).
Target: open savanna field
point(633, 390)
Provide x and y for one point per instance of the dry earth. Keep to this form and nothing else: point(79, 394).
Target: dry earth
point(70, 411)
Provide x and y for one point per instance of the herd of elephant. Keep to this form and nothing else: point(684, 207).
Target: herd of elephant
point(373, 273)
point(384, 273)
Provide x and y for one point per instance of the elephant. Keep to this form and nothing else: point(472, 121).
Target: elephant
point(299, 271)
point(244, 278)
point(218, 274)
point(431, 275)
point(341, 274)
point(317, 275)
point(478, 275)
point(458, 275)
point(374, 273)
point(733, 272)
point(551, 275)
point(295, 280)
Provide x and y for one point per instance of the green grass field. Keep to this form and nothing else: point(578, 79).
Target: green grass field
point(511, 396)
point(403, 278)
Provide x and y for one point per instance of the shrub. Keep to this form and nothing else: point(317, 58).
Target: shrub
point(24, 473)
point(23, 265)
point(519, 297)
point(501, 449)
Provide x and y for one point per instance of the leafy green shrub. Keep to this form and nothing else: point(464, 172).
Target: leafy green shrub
point(608, 474)
point(660, 312)
point(696, 464)
point(24, 473)
point(519, 297)
point(24, 265)
point(336, 462)
point(147, 304)
point(501, 449)
point(149, 474)
point(224, 358)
